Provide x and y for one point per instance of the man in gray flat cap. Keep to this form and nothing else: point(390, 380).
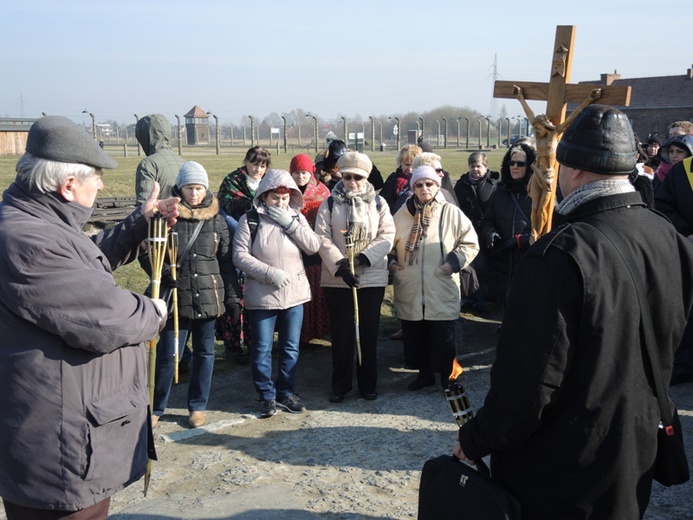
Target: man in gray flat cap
point(571, 417)
point(74, 425)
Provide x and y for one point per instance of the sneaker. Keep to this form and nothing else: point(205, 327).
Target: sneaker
point(269, 408)
point(292, 404)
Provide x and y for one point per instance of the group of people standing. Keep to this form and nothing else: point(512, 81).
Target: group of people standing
point(570, 420)
point(302, 251)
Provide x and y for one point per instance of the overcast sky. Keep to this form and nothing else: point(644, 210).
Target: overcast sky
point(377, 57)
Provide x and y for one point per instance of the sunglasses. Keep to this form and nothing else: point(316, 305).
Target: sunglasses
point(521, 164)
point(428, 184)
point(349, 177)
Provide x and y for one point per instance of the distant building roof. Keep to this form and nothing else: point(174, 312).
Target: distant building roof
point(196, 111)
point(654, 92)
point(16, 124)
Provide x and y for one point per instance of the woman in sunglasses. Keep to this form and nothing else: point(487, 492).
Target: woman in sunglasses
point(506, 225)
point(434, 241)
point(354, 211)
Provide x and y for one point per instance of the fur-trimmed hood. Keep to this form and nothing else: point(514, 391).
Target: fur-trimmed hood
point(204, 211)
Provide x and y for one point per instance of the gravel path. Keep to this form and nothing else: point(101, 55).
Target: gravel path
point(354, 460)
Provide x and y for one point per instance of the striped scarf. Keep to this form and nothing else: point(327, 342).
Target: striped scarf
point(422, 218)
point(358, 220)
point(593, 190)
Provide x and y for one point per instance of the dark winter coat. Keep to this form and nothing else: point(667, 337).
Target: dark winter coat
point(503, 217)
point(675, 198)
point(153, 132)
point(473, 199)
point(207, 277)
point(571, 417)
point(73, 365)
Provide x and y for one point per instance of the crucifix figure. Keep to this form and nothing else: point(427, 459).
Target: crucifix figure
point(541, 185)
point(548, 128)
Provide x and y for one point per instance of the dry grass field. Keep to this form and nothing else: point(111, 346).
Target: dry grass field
point(121, 181)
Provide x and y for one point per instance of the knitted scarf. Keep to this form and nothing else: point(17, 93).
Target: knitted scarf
point(591, 191)
point(401, 181)
point(358, 223)
point(422, 218)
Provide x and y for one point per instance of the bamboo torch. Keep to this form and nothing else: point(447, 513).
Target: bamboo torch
point(156, 247)
point(173, 259)
point(349, 241)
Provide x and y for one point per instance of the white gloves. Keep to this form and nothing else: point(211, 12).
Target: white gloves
point(281, 216)
point(281, 279)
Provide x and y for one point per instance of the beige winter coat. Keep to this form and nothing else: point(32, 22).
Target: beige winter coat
point(422, 290)
point(329, 225)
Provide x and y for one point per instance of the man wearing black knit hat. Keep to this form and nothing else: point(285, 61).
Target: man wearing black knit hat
point(571, 417)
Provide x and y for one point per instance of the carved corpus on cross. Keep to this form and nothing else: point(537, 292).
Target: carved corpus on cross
point(548, 128)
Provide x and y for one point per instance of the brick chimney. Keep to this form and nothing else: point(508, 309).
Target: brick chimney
point(608, 79)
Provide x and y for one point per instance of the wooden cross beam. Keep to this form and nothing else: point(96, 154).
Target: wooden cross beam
point(548, 128)
point(558, 92)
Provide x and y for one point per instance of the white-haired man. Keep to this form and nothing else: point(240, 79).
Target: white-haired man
point(74, 425)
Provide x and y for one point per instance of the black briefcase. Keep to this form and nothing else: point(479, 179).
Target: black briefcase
point(451, 489)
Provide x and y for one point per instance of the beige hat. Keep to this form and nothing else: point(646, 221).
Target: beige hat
point(356, 163)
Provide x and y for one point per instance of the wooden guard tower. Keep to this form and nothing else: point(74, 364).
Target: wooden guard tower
point(197, 126)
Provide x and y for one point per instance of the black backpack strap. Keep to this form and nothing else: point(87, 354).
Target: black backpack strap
point(253, 219)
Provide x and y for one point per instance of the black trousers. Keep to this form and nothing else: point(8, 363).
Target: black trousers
point(98, 511)
point(429, 345)
point(340, 303)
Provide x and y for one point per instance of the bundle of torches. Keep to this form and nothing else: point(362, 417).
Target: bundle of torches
point(160, 242)
point(457, 397)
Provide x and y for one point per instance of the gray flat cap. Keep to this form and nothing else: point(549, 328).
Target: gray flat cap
point(56, 138)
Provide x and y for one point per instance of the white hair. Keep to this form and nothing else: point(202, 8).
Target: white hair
point(425, 158)
point(46, 175)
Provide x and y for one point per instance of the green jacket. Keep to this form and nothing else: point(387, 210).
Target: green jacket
point(153, 132)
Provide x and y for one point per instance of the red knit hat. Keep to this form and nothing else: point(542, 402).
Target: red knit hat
point(302, 163)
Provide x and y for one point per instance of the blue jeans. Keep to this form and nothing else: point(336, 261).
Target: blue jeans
point(262, 323)
point(202, 363)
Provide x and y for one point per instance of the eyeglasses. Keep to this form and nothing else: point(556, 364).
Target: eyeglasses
point(438, 170)
point(428, 184)
point(356, 178)
point(521, 164)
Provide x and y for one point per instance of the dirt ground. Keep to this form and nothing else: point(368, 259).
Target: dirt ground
point(356, 460)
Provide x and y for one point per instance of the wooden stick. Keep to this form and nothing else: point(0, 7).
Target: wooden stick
point(156, 247)
point(349, 241)
point(173, 259)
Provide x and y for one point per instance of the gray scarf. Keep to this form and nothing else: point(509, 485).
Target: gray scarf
point(591, 191)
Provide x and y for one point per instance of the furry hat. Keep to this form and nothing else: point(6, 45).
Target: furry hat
point(356, 163)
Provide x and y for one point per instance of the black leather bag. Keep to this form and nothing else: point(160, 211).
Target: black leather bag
point(671, 465)
point(451, 489)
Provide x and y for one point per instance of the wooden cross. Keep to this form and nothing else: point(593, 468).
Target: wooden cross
point(557, 94)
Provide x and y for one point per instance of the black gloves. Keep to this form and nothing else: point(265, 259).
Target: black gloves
point(492, 240)
point(343, 270)
point(361, 259)
point(168, 281)
point(234, 311)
